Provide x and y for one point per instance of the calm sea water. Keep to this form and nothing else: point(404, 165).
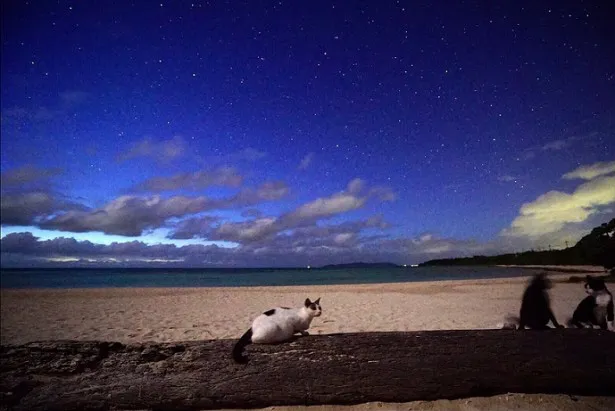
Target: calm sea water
point(177, 277)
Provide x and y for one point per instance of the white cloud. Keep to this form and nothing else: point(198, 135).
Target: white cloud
point(591, 171)
point(552, 211)
point(355, 186)
point(343, 238)
point(321, 207)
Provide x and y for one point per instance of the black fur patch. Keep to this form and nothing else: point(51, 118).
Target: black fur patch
point(270, 312)
point(535, 305)
point(595, 283)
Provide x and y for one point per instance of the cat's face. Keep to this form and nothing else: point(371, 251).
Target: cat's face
point(593, 284)
point(541, 282)
point(314, 307)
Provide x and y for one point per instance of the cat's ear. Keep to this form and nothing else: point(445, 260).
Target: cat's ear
point(307, 302)
point(317, 301)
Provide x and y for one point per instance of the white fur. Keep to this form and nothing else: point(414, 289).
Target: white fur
point(282, 325)
point(602, 298)
point(510, 322)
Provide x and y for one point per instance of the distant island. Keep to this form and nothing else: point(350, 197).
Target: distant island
point(359, 265)
point(596, 248)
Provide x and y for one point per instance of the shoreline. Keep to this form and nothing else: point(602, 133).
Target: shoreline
point(355, 287)
point(556, 272)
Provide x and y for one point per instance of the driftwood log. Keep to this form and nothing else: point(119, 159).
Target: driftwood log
point(330, 369)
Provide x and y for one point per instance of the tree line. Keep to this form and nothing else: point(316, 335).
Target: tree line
point(596, 248)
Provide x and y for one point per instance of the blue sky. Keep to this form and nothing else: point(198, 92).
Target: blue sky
point(278, 133)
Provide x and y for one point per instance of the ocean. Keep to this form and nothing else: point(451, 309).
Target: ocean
point(209, 277)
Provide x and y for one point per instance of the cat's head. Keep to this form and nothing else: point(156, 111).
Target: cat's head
point(541, 282)
point(594, 284)
point(313, 307)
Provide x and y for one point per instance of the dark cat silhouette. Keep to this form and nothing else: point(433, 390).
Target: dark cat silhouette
point(535, 306)
point(596, 308)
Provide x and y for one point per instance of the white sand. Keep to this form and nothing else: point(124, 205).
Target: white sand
point(180, 314)
point(507, 402)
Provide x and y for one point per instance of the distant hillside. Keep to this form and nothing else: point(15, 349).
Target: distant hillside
point(359, 265)
point(596, 248)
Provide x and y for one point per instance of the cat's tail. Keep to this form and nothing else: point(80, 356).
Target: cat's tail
point(245, 340)
point(511, 322)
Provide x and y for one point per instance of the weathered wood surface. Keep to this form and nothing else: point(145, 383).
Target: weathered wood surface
point(331, 369)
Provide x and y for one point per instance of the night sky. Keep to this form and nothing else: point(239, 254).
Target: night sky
point(293, 133)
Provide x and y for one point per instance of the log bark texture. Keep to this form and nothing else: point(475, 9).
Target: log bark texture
point(328, 369)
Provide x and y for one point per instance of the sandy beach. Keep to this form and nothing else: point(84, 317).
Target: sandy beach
point(179, 314)
point(506, 402)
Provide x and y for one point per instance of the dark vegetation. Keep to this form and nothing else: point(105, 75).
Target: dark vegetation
point(596, 248)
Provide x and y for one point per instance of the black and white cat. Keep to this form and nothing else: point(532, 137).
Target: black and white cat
point(596, 308)
point(277, 325)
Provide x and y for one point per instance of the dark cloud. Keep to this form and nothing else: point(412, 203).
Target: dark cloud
point(24, 246)
point(128, 215)
point(268, 191)
point(23, 208)
point(308, 214)
point(223, 176)
point(344, 235)
point(194, 228)
point(27, 195)
point(27, 174)
point(132, 215)
point(430, 245)
point(245, 231)
point(299, 249)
